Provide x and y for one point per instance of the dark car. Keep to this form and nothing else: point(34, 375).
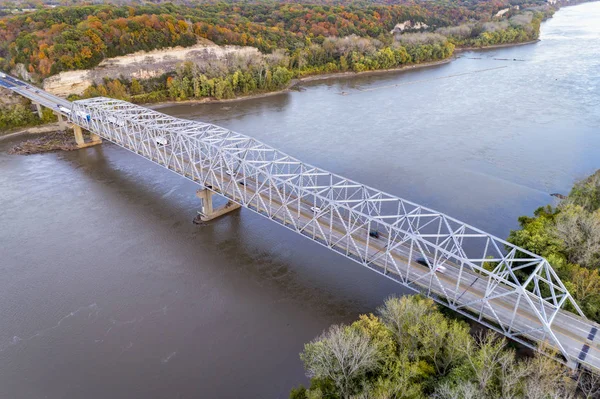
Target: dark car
point(422, 261)
point(374, 233)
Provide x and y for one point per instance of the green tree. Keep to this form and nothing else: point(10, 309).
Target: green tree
point(136, 87)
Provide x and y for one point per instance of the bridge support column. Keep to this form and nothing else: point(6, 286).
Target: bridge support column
point(39, 110)
point(78, 136)
point(61, 123)
point(78, 133)
point(208, 213)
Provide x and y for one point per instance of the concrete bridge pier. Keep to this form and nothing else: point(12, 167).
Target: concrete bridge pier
point(39, 110)
point(208, 212)
point(61, 123)
point(78, 133)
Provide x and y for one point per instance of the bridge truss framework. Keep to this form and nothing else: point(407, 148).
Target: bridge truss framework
point(380, 231)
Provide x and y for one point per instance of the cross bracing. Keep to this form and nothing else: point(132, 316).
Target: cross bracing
point(504, 287)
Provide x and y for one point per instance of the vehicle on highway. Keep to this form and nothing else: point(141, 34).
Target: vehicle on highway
point(64, 109)
point(83, 115)
point(161, 140)
point(315, 209)
point(423, 261)
point(2, 75)
point(229, 173)
point(374, 233)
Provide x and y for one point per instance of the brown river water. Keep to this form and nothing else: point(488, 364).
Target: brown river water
point(107, 290)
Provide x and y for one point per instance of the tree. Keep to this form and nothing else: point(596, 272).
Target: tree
point(466, 390)
point(404, 317)
point(547, 378)
point(536, 233)
point(136, 87)
point(511, 376)
point(589, 384)
point(580, 232)
point(343, 355)
point(586, 193)
point(485, 357)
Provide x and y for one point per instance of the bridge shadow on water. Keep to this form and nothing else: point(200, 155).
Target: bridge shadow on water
point(246, 246)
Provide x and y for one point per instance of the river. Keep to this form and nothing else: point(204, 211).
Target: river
point(109, 290)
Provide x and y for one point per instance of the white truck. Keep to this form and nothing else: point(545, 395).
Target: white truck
point(2, 75)
point(64, 109)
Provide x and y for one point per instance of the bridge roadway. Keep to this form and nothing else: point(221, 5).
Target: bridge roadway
point(460, 288)
point(35, 94)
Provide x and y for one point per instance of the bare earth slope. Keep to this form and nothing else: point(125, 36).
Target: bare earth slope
point(140, 65)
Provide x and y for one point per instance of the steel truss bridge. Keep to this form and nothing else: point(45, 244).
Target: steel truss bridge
point(506, 288)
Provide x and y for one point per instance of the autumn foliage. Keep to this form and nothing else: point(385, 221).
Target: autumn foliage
point(49, 41)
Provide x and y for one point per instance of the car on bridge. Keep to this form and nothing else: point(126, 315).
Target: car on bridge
point(423, 261)
point(161, 140)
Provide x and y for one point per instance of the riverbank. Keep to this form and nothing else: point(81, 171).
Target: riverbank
point(48, 141)
point(296, 82)
point(45, 138)
point(335, 75)
point(494, 46)
point(38, 129)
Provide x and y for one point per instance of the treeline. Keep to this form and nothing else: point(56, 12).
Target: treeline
point(52, 40)
point(238, 75)
point(517, 29)
point(410, 350)
point(568, 235)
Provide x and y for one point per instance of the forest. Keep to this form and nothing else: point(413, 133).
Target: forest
point(52, 40)
point(295, 40)
point(410, 350)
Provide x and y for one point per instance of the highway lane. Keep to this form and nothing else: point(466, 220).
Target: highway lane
point(35, 94)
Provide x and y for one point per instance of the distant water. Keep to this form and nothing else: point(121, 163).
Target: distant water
point(109, 290)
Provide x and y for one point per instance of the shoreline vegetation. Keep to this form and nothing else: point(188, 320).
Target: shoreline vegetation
point(411, 349)
point(296, 84)
point(294, 42)
point(568, 236)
